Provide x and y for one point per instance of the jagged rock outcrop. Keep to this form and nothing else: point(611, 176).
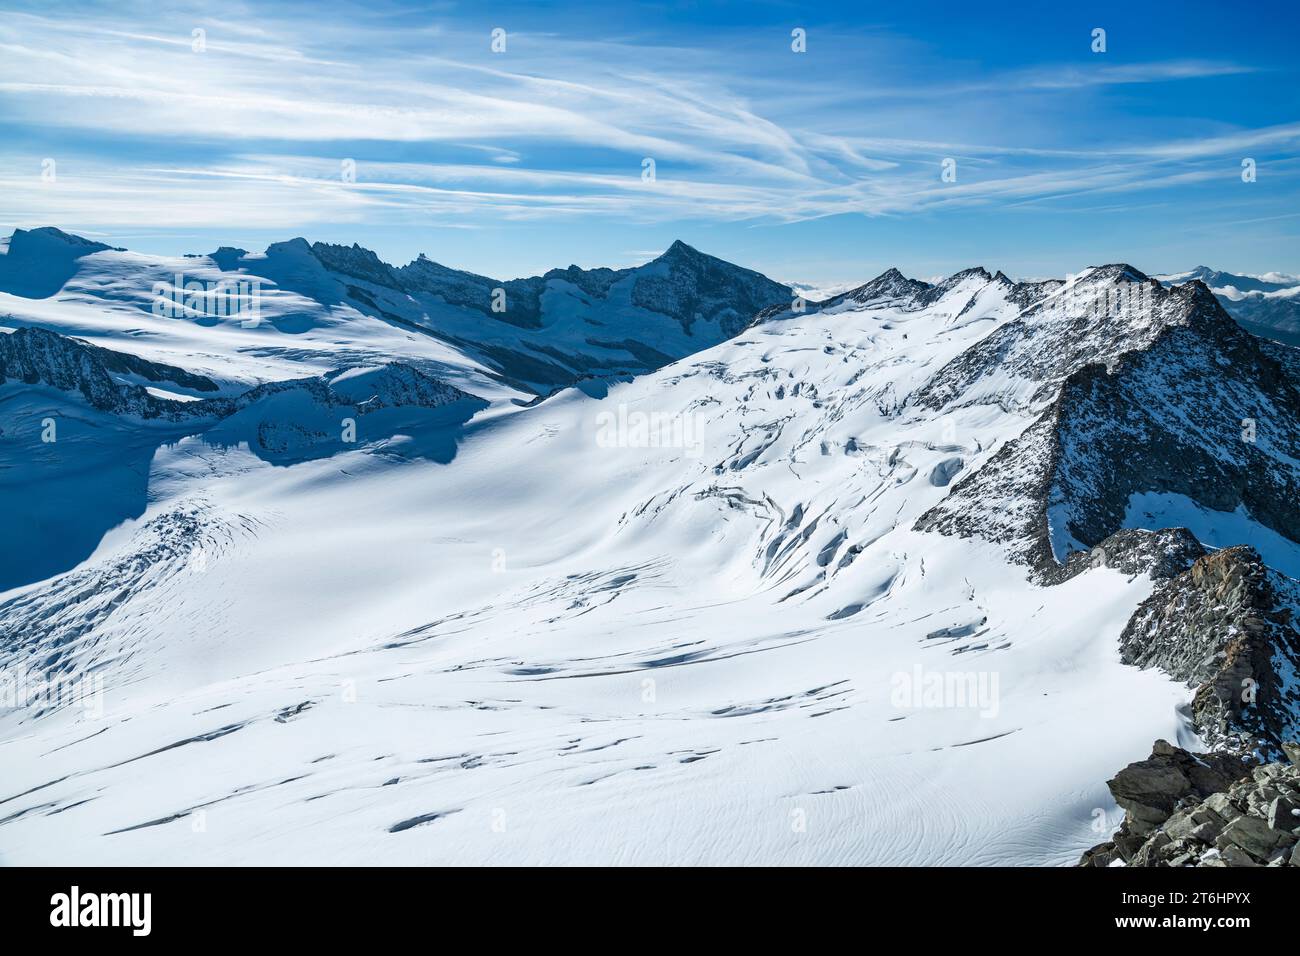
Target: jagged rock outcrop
point(1160, 555)
point(124, 363)
point(39, 357)
point(1227, 626)
point(366, 388)
point(522, 297)
point(690, 287)
point(1107, 312)
point(1184, 809)
point(355, 261)
point(890, 287)
point(1189, 405)
point(1028, 294)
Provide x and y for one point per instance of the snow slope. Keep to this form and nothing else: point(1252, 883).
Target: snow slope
point(683, 618)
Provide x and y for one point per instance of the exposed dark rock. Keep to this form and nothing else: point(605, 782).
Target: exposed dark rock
point(689, 286)
point(125, 363)
point(594, 282)
point(519, 301)
point(1161, 554)
point(355, 261)
point(1228, 627)
point(891, 287)
point(40, 357)
point(1184, 809)
point(1190, 405)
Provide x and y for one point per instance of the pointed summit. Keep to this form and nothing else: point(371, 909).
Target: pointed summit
point(888, 286)
point(1115, 272)
point(975, 272)
point(47, 238)
point(355, 261)
point(680, 252)
point(39, 262)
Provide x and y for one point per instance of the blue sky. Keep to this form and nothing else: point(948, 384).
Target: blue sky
point(823, 166)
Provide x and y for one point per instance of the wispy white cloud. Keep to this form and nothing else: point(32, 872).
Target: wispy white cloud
point(560, 128)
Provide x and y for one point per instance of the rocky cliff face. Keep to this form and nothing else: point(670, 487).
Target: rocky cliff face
point(1184, 809)
point(689, 286)
point(1227, 626)
point(1160, 555)
point(556, 329)
point(684, 284)
point(1189, 404)
point(1105, 313)
point(470, 291)
point(39, 357)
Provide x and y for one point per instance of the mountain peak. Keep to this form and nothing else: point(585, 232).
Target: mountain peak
point(45, 237)
point(1117, 271)
point(681, 252)
point(975, 272)
point(296, 244)
point(889, 285)
point(355, 261)
point(38, 262)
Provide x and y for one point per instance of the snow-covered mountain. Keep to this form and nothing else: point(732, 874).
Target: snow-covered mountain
point(532, 335)
point(1268, 305)
point(903, 576)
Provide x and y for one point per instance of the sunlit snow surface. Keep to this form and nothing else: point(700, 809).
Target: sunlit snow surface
point(558, 648)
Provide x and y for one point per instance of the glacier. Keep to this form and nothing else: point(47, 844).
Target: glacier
point(485, 632)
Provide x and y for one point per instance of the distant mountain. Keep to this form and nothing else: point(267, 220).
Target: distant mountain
point(1119, 426)
point(1229, 281)
point(551, 330)
point(1268, 305)
point(534, 334)
point(889, 286)
point(37, 262)
point(360, 577)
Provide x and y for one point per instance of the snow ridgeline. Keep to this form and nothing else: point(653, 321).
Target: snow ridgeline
point(507, 631)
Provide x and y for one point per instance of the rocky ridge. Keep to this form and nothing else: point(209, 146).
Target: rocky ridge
point(1189, 404)
point(1227, 626)
point(40, 357)
point(1214, 809)
point(36, 356)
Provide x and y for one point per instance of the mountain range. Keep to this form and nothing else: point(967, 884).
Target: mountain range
point(658, 565)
